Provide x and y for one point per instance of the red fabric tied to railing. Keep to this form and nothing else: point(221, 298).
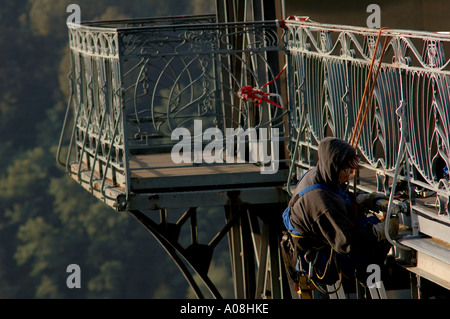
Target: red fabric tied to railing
point(256, 95)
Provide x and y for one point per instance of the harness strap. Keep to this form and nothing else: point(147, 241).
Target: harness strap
point(286, 217)
point(312, 187)
point(295, 236)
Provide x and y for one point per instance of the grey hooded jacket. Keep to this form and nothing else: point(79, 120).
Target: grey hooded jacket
point(321, 214)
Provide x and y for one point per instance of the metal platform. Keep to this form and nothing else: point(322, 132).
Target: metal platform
point(158, 171)
point(432, 259)
point(180, 186)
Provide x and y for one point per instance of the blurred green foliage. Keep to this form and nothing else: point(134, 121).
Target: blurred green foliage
point(47, 221)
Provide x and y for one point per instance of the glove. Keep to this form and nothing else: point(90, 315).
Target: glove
point(369, 200)
point(378, 229)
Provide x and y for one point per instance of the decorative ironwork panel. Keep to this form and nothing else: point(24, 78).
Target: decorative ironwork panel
point(331, 68)
point(174, 76)
point(96, 101)
point(328, 68)
point(135, 81)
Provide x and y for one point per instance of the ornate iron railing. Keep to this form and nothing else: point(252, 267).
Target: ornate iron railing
point(173, 76)
point(135, 81)
point(406, 131)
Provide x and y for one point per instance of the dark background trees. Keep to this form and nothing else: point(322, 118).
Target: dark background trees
point(47, 221)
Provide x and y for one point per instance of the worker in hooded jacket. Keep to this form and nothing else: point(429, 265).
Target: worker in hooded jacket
point(321, 217)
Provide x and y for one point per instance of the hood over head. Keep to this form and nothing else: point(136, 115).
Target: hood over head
point(334, 154)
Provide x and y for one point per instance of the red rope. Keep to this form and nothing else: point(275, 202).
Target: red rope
point(250, 93)
point(282, 23)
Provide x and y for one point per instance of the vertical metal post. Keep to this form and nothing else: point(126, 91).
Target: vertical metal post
point(234, 239)
point(194, 230)
point(263, 263)
point(275, 266)
point(163, 216)
point(248, 257)
point(416, 292)
point(360, 291)
point(273, 214)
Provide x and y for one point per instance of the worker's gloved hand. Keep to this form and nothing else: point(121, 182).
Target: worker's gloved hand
point(368, 200)
point(379, 232)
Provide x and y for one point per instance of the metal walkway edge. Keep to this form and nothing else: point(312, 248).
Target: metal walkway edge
point(432, 259)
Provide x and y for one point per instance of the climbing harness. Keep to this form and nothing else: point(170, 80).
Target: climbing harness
point(293, 265)
point(306, 278)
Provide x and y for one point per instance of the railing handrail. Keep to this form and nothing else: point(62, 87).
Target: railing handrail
point(121, 76)
point(438, 35)
point(93, 27)
point(328, 65)
point(148, 19)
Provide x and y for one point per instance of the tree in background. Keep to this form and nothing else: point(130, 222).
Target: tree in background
point(47, 221)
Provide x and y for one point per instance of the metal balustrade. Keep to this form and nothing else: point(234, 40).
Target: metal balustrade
point(404, 142)
point(406, 132)
point(135, 82)
point(141, 89)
